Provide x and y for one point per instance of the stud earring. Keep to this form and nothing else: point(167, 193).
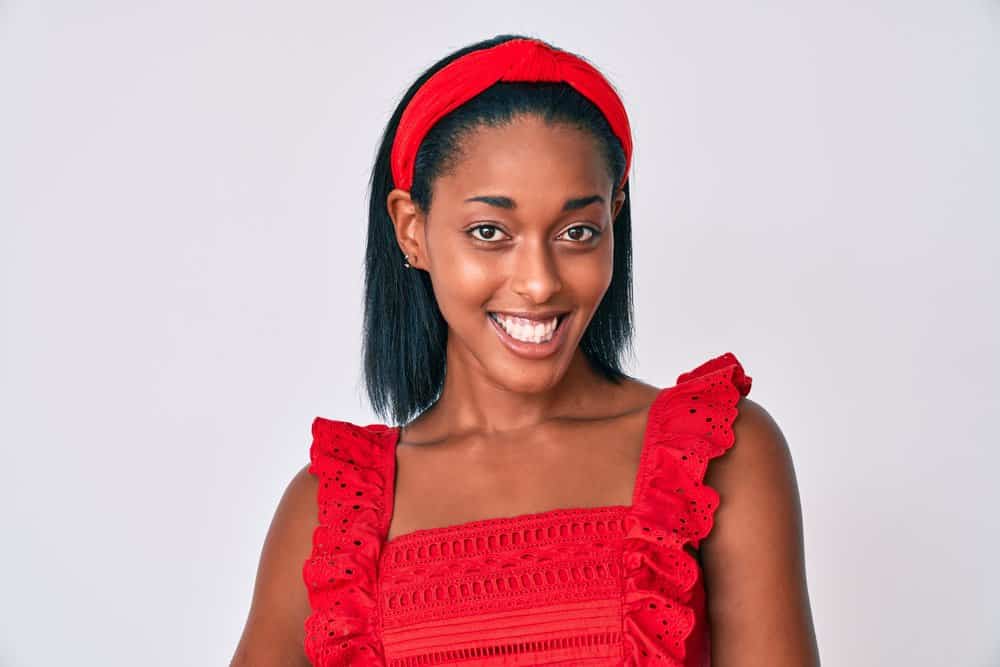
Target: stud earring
point(406, 261)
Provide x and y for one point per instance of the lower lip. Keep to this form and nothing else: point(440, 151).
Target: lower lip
point(533, 350)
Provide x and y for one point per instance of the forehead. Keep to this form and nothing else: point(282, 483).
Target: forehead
point(527, 159)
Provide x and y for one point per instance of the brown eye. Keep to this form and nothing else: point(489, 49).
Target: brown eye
point(487, 232)
point(579, 233)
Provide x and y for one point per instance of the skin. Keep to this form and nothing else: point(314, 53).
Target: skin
point(514, 436)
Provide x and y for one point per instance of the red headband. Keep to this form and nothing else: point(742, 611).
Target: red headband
point(515, 60)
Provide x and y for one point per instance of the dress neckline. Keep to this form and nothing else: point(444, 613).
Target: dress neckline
point(395, 432)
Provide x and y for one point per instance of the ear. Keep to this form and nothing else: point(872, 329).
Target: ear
point(617, 202)
point(409, 221)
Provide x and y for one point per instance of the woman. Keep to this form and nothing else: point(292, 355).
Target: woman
point(533, 504)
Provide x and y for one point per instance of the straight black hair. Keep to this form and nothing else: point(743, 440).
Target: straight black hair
point(404, 332)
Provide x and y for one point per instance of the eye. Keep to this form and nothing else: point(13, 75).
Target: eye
point(488, 233)
point(577, 231)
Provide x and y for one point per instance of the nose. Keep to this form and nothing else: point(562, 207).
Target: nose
point(536, 274)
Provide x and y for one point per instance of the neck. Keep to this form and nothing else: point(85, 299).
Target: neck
point(474, 402)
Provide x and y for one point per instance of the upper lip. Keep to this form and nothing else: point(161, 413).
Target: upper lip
point(536, 315)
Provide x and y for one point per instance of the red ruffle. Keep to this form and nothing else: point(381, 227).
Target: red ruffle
point(663, 594)
point(341, 572)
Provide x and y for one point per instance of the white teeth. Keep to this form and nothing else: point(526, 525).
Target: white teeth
point(529, 331)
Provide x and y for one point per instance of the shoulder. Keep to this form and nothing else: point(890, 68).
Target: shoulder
point(759, 460)
point(273, 632)
point(754, 556)
point(760, 439)
point(344, 458)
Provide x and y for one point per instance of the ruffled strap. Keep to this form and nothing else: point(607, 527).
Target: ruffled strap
point(352, 465)
point(688, 425)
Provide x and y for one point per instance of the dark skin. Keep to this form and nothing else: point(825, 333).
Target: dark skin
point(516, 436)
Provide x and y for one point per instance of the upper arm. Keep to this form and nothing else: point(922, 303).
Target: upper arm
point(755, 579)
point(274, 633)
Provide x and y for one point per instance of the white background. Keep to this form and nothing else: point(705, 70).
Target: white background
point(182, 220)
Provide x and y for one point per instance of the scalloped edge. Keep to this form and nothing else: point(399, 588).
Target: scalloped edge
point(737, 383)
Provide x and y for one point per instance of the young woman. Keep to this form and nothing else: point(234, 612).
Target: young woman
point(530, 503)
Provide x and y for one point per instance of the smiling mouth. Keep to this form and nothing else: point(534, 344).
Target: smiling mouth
point(536, 331)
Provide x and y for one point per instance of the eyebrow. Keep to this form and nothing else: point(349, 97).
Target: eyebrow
point(508, 203)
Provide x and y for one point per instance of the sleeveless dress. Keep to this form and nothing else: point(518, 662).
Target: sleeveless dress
point(611, 585)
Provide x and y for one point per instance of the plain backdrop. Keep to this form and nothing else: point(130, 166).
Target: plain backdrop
point(182, 221)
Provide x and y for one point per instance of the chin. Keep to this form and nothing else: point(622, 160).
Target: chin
point(527, 377)
point(528, 385)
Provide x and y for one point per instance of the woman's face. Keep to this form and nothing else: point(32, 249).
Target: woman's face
point(518, 244)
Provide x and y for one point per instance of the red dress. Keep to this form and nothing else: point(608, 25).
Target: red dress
point(581, 586)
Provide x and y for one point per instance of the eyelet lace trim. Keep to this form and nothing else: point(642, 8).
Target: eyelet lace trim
point(673, 508)
point(341, 572)
point(634, 552)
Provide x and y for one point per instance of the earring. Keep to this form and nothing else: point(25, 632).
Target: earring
point(406, 261)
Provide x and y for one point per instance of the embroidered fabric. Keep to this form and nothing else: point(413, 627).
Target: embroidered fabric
point(612, 585)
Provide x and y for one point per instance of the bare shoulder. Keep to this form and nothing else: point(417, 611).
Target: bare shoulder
point(759, 448)
point(274, 633)
point(753, 558)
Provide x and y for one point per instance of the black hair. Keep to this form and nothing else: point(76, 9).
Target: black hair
point(404, 332)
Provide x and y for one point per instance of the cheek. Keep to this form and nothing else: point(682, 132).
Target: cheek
point(588, 280)
point(462, 285)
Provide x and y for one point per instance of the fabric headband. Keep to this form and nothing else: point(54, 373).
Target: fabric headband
point(515, 60)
